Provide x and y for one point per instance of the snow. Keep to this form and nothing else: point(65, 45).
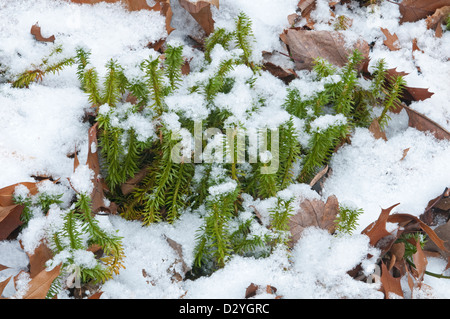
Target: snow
point(41, 125)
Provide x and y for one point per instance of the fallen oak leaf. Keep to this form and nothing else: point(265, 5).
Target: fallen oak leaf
point(377, 230)
point(405, 219)
point(201, 11)
point(36, 32)
point(391, 41)
point(409, 93)
point(389, 284)
point(314, 213)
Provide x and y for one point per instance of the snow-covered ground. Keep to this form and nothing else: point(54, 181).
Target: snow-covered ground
point(42, 124)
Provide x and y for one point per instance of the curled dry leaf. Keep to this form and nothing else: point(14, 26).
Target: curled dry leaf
point(375, 129)
point(390, 286)
point(443, 231)
point(36, 31)
point(435, 21)
point(420, 262)
point(415, 47)
point(437, 209)
point(179, 251)
point(409, 93)
point(425, 124)
point(98, 194)
point(314, 213)
point(201, 11)
point(318, 181)
point(286, 75)
point(405, 152)
point(305, 7)
point(306, 45)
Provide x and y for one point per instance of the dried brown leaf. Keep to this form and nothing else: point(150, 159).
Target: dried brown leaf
point(389, 284)
point(9, 220)
point(377, 230)
point(314, 213)
point(415, 47)
point(306, 6)
point(6, 193)
point(3, 284)
point(201, 12)
point(251, 291)
point(306, 45)
point(405, 219)
point(179, 251)
point(420, 261)
point(36, 31)
point(375, 129)
point(434, 21)
point(186, 67)
point(425, 124)
point(96, 295)
point(319, 176)
point(286, 75)
point(405, 152)
point(414, 10)
point(98, 194)
point(391, 41)
point(130, 184)
point(41, 283)
point(38, 258)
